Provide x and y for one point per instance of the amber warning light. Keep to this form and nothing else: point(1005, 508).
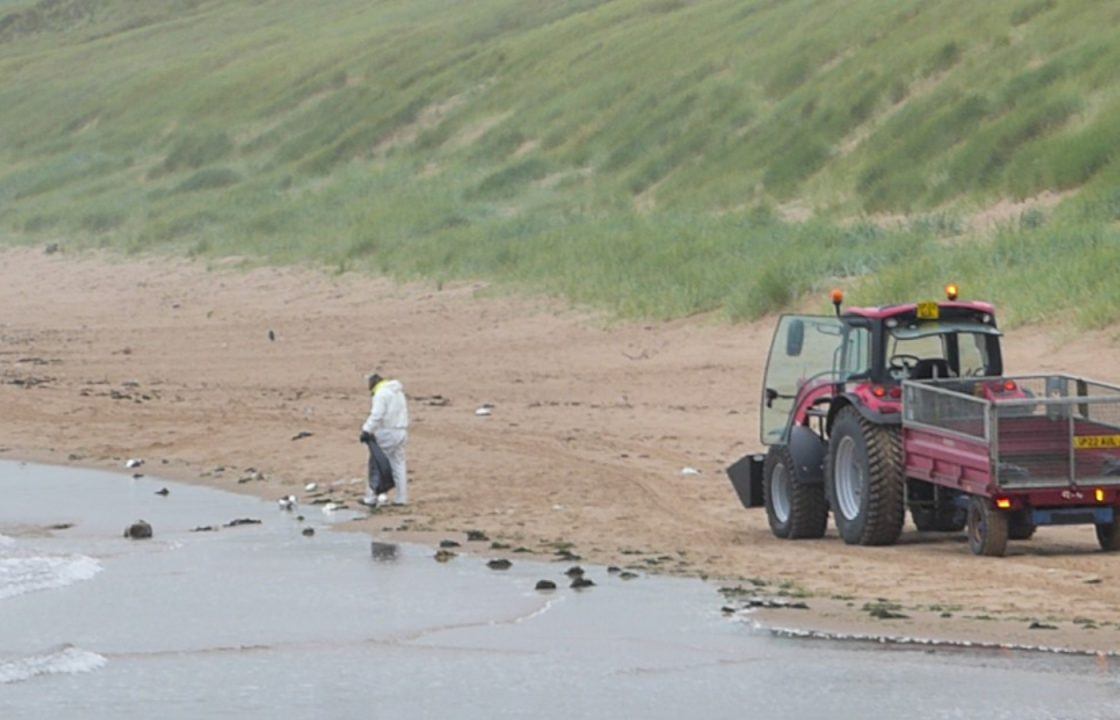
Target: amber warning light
point(837, 299)
point(952, 291)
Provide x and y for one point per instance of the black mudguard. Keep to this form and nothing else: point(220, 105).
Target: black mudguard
point(809, 451)
point(746, 478)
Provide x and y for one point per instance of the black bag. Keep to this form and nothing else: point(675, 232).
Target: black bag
point(380, 471)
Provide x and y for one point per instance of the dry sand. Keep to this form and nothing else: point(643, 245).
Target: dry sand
point(104, 358)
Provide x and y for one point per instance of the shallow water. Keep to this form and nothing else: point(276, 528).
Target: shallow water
point(259, 620)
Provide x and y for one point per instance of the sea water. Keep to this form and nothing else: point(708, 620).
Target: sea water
point(261, 621)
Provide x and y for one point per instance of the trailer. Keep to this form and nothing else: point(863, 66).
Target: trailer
point(876, 411)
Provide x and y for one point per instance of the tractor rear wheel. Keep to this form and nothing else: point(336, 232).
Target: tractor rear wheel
point(987, 528)
point(1021, 527)
point(1108, 535)
point(795, 510)
point(864, 479)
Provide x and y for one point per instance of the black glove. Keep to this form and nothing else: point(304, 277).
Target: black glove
point(365, 438)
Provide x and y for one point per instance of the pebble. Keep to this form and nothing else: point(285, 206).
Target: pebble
point(627, 575)
point(448, 544)
point(545, 585)
point(443, 555)
point(476, 536)
point(243, 521)
point(163, 491)
point(138, 530)
point(574, 571)
point(308, 531)
point(501, 564)
point(581, 582)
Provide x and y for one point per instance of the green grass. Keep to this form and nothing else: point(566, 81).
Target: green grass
point(627, 154)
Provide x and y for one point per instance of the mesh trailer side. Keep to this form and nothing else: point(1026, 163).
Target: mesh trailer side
point(939, 407)
point(1062, 431)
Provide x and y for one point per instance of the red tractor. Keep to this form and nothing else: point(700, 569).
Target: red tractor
point(876, 410)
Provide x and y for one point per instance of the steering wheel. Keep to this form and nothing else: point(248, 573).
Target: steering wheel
point(904, 361)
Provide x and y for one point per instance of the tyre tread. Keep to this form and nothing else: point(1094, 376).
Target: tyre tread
point(886, 503)
point(808, 512)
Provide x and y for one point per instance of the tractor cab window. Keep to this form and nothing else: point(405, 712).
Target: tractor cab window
point(974, 358)
point(856, 360)
point(917, 357)
point(940, 350)
point(807, 351)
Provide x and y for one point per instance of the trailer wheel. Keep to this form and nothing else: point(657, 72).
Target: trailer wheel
point(987, 528)
point(1108, 535)
point(795, 510)
point(1021, 527)
point(864, 479)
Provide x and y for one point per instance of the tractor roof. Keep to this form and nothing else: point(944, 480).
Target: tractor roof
point(889, 311)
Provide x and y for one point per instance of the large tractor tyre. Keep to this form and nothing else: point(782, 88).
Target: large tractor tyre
point(795, 510)
point(864, 479)
point(987, 528)
point(1108, 535)
point(1021, 527)
point(946, 518)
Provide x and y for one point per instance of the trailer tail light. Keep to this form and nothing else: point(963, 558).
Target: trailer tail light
point(1010, 386)
point(896, 393)
point(1003, 503)
point(879, 391)
point(1099, 494)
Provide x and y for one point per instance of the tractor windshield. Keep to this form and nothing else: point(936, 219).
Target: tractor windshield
point(942, 350)
point(807, 352)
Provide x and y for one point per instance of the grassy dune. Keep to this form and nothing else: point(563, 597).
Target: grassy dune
point(646, 156)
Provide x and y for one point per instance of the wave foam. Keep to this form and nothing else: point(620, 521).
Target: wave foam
point(65, 660)
point(19, 575)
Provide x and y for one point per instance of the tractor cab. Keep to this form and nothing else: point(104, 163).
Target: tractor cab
point(861, 356)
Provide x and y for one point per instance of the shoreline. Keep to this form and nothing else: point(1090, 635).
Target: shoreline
point(825, 619)
point(592, 423)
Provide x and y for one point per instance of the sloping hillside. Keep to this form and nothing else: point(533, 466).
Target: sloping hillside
point(644, 155)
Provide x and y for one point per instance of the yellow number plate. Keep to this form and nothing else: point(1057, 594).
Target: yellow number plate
point(1093, 442)
point(928, 311)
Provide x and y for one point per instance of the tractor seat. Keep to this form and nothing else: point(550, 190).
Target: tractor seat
point(931, 369)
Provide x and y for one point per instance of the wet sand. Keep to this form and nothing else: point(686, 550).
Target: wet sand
point(105, 358)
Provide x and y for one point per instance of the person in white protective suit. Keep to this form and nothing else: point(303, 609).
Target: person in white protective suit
point(388, 426)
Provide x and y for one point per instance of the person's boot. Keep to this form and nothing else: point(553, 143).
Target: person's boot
point(374, 501)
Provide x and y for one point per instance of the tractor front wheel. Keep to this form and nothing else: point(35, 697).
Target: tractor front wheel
point(987, 528)
point(864, 479)
point(1108, 535)
point(795, 510)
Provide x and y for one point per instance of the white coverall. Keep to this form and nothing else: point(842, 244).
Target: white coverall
point(388, 423)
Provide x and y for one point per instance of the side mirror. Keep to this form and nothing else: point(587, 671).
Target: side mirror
point(795, 338)
point(771, 396)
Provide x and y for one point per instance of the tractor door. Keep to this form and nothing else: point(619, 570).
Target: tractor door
point(807, 350)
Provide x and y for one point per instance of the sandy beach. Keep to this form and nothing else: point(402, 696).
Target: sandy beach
point(104, 358)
